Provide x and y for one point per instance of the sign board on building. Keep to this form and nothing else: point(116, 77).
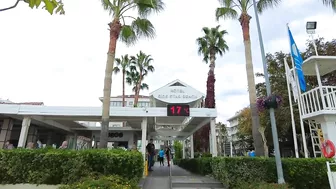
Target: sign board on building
point(177, 94)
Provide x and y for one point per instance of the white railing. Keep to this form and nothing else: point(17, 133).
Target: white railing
point(312, 101)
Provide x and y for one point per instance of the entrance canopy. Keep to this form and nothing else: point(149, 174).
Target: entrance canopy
point(159, 125)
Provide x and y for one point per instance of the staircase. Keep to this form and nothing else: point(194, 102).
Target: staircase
point(314, 130)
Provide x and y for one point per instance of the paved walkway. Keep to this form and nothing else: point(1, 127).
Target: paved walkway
point(160, 178)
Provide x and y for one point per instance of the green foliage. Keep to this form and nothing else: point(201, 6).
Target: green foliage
point(52, 6)
point(262, 185)
point(178, 150)
point(103, 182)
point(299, 173)
point(255, 172)
point(54, 166)
point(212, 43)
point(200, 166)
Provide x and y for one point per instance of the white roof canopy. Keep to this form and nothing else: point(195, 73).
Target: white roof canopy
point(326, 64)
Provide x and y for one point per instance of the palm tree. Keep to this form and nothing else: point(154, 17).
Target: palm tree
point(128, 33)
point(133, 77)
point(331, 3)
point(141, 65)
point(122, 65)
point(231, 9)
point(211, 44)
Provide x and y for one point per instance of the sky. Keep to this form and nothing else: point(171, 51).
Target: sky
point(60, 59)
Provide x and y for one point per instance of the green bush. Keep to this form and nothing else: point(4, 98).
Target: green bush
point(54, 166)
point(200, 166)
point(103, 182)
point(262, 186)
point(299, 173)
point(202, 154)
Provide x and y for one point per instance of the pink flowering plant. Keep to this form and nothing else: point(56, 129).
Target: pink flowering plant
point(272, 101)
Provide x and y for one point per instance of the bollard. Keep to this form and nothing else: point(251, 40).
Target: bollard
point(146, 168)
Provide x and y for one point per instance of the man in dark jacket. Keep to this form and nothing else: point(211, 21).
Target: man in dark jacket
point(150, 153)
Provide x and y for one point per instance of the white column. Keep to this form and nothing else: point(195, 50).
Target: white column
point(231, 149)
point(192, 146)
point(183, 149)
point(328, 126)
point(24, 132)
point(213, 137)
point(144, 137)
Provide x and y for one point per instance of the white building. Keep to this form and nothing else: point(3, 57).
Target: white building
point(175, 114)
point(232, 129)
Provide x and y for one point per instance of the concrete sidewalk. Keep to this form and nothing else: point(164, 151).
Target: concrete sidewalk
point(160, 178)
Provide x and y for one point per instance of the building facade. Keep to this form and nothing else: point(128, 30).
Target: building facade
point(232, 130)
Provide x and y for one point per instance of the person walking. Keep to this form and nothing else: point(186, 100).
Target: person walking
point(150, 154)
point(168, 153)
point(161, 157)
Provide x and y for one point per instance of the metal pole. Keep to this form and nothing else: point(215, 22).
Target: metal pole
point(281, 179)
point(296, 149)
point(314, 44)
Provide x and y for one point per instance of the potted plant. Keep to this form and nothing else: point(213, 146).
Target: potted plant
point(272, 101)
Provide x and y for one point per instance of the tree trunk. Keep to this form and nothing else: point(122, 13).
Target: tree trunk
point(123, 88)
point(262, 132)
point(115, 28)
point(137, 90)
point(258, 143)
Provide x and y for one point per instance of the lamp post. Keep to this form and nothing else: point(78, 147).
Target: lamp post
point(281, 179)
point(310, 29)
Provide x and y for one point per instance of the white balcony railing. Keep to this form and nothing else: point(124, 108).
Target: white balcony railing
point(319, 99)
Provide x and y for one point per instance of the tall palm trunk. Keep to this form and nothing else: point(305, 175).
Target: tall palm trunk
point(115, 28)
point(137, 90)
point(257, 139)
point(123, 88)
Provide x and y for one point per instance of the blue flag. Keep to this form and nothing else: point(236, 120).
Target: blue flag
point(297, 61)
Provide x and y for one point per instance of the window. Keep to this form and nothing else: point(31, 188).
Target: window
point(143, 104)
point(116, 103)
point(130, 103)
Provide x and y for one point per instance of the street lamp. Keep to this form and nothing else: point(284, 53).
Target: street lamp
point(278, 163)
point(310, 29)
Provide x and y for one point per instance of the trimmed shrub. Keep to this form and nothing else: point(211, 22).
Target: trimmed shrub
point(262, 186)
point(54, 166)
point(104, 182)
point(200, 166)
point(299, 173)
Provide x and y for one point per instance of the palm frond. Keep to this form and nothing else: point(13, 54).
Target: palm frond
point(144, 86)
point(265, 4)
point(226, 13)
point(127, 35)
point(212, 42)
point(109, 6)
point(143, 28)
point(147, 7)
point(330, 3)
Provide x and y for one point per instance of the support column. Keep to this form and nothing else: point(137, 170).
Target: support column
point(213, 136)
point(183, 150)
point(24, 132)
point(328, 126)
point(6, 131)
point(231, 149)
point(144, 137)
point(192, 146)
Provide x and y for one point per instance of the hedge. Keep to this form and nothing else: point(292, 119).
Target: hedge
point(55, 166)
point(103, 182)
point(299, 173)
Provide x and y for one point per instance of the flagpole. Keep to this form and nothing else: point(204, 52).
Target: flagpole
point(303, 133)
point(296, 149)
point(281, 179)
